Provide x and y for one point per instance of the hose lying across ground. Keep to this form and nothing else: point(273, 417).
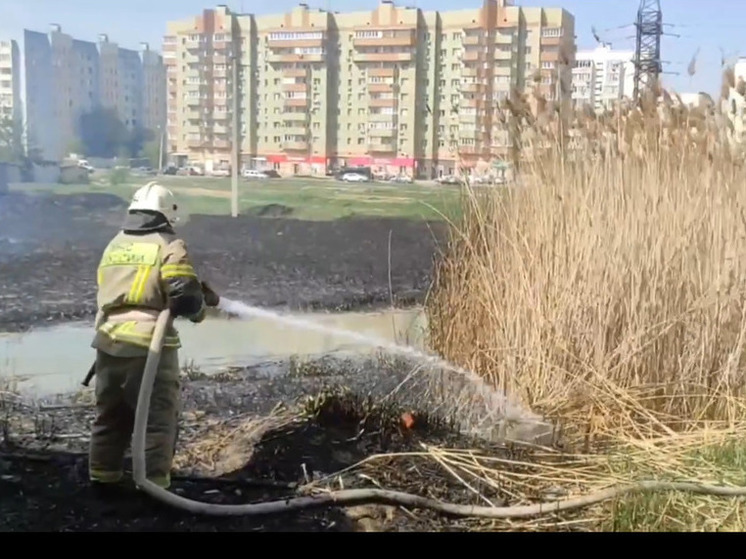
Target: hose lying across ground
point(359, 496)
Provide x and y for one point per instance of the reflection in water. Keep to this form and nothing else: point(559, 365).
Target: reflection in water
point(55, 360)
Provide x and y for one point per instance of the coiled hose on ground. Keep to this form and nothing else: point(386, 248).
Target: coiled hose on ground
point(356, 496)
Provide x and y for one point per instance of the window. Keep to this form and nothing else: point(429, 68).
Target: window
point(551, 32)
point(295, 36)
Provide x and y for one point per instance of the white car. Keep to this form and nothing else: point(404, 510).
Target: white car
point(254, 174)
point(354, 177)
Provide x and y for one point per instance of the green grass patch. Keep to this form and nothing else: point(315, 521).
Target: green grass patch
point(686, 512)
point(310, 199)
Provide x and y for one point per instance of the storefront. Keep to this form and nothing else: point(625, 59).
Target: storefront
point(288, 165)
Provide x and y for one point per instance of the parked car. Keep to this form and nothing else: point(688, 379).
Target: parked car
point(354, 177)
point(254, 174)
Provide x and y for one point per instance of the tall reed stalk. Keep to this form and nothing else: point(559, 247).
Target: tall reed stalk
point(607, 287)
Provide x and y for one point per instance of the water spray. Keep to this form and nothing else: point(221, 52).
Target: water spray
point(142, 412)
point(497, 404)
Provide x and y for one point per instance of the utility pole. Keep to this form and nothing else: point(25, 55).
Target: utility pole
point(648, 66)
point(236, 142)
point(160, 149)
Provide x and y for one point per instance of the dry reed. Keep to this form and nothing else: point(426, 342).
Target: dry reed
point(606, 287)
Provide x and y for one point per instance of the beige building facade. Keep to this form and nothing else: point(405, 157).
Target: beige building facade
point(10, 84)
point(398, 89)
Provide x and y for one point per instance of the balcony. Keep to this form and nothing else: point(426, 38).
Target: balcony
point(468, 149)
point(296, 117)
point(296, 87)
point(296, 101)
point(383, 117)
point(380, 147)
point(472, 103)
point(191, 44)
point(295, 145)
point(220, 115)
point(298, 43)
point(195, 144)
point(392, 40)
point(381, 88)
point(469, 118)
point(295, 130)
point(469, 72)
point(476, 87)
point(382, 57)
point(502, 71)
point(194, 101)
point(549, 56)
point(503, 38)
point(472, 56)
point(503, 54)
point(296, 58)
point(472, 40)
point(551, 41)
point(382, 133)
point(219, 73)
point(382, 72)
point(294, 73)
point(378, 103)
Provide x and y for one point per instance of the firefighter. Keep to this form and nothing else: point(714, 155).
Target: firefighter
point(144, 269)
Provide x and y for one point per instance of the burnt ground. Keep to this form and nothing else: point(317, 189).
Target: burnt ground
point(50, 246)
point(234, 449)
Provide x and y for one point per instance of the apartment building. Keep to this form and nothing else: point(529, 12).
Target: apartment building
point(67, 77)
point(10, 85)
point(396, 88)
point(602, 77)
point(199, 55)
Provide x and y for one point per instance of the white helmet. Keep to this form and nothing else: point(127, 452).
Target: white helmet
point(157, 198)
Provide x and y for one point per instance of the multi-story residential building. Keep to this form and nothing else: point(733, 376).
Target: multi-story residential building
point(602, 77)
point(67, 77)
point(395, 88)
point(153, 90)
point(10, 85)
point(199, 55)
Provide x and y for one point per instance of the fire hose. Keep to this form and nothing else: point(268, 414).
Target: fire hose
point(358, 496)
point(344, 497)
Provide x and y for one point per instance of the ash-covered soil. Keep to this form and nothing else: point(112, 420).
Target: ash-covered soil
point(248, 436)
point(50, 246)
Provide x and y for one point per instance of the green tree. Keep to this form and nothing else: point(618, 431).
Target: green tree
point(152, 150)
point(102, 133)
point(11, 147)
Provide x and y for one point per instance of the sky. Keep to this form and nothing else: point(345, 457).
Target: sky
point(703, 27)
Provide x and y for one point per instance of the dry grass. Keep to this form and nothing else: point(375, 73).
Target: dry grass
point(222, 446)
point(607, 292)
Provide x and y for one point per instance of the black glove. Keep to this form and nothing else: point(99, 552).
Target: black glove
point(211, 298)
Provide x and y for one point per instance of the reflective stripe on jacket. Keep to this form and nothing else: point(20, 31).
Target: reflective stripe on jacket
point(135, 276)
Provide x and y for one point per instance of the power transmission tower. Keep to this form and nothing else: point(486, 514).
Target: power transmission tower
point(648, 66)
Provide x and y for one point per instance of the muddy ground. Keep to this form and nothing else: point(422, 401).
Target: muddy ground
point(235, 448)
point(50, 246)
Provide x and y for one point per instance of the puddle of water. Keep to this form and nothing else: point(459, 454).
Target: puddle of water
point(55, 360)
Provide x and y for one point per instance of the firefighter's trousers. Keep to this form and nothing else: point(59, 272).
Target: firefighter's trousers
point(117, 388)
